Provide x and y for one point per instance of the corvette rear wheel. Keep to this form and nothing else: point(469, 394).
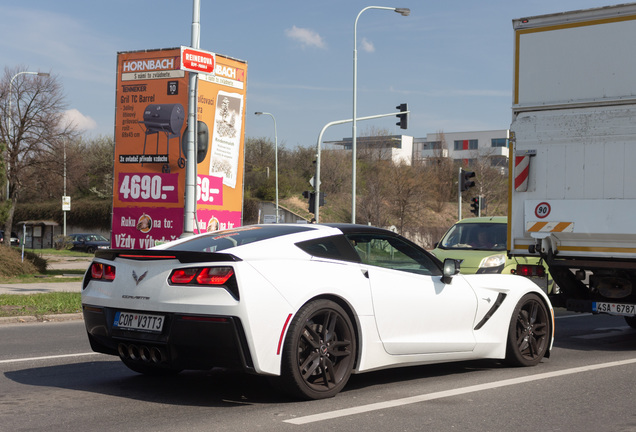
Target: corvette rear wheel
point(319, 351)
point(529, 332)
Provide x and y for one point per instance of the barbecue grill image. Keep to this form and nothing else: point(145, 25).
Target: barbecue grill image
point(167, 119)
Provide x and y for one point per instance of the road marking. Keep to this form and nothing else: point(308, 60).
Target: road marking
point(448, 393)
point(605, 332)
point(573, 316)
point(47, 357)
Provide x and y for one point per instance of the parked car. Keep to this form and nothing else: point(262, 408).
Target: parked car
point(89, 242)
point(480, 244)
point(15, 240)
point(306, 305)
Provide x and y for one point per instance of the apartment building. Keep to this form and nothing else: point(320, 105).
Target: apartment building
point(462, 146)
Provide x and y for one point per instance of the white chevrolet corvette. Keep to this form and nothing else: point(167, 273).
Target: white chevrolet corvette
point(307, 304)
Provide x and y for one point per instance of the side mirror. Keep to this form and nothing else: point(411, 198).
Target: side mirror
point(451, 268)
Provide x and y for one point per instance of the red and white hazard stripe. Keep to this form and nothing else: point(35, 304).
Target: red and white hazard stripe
point(550, 226)
point(522, 170)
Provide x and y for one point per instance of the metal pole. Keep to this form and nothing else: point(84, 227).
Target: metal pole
point(191, 162)
point(354, 133)
point(64, 233)
point(318, 150)
point(459, 195)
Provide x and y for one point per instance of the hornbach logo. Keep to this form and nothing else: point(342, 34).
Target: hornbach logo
point(149, 65)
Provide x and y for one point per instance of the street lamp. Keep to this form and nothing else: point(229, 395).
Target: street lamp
point(403, 12)
point(275, 155)
point(44, 74)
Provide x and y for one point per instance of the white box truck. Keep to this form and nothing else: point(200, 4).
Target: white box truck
point(572, 194)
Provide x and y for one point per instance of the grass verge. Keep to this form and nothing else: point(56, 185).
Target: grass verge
point(49, 276)
point(12, 305)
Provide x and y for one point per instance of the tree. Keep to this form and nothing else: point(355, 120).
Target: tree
point(32, 124)
point(441, 174)
point(91, 163)
point(259, 161)
point(406, 183)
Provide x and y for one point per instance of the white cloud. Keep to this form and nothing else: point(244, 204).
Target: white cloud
point(81, 122)
point(367, 45)
point(306, 37)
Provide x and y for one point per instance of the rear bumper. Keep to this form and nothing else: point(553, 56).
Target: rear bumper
point(186, 341)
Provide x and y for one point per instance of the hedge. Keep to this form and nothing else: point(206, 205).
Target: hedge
point(85, 213)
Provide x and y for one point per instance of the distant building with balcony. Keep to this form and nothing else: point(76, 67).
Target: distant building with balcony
point(396, 148)
point(460, 146)
point(465, 146)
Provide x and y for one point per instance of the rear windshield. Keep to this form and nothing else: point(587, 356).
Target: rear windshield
point(483, 236)
point(221, 240)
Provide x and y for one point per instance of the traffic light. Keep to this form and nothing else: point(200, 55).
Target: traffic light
point(465, 181)
point(474, 206)
point(402, 116)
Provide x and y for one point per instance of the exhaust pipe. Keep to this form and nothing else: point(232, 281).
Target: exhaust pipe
point(156, 355)
point(122, 350)
point(146, 354)
point(133, 352)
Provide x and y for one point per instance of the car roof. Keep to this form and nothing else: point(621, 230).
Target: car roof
point(358, 228)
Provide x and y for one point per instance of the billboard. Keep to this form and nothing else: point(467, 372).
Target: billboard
point(150, 147)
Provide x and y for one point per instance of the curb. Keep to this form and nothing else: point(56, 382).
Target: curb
point(43, 318)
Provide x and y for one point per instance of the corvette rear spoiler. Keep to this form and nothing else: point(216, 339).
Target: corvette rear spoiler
point(150, 255)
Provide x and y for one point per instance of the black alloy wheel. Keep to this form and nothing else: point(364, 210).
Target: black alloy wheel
point(319, 351)
point(529, 332)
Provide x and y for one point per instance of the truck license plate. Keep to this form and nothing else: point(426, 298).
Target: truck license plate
point(614, 308)
point(137, 321)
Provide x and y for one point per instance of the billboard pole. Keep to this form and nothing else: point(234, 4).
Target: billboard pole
point(191, 162)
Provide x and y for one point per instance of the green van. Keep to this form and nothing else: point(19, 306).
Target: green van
point(480, 246)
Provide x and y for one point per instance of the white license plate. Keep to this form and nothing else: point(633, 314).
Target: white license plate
point(614, 308)
point(137, 321)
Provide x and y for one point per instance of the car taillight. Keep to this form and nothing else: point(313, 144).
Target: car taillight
point(202, 276)
point(529, 270)
point(109, 272)
point(102, 271)
point(97, 270)
point(222, 277)
point(183, 276)
point(215, 275)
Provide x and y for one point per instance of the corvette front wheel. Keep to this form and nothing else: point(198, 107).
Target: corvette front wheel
point(529, 332)
point(319, 351)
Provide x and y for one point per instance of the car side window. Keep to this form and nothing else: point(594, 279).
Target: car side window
point(393, 253)
point(333, 247)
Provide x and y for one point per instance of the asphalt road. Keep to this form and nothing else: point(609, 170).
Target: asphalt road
point(51, 382)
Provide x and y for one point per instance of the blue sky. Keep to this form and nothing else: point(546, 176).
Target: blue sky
point(450, 60)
